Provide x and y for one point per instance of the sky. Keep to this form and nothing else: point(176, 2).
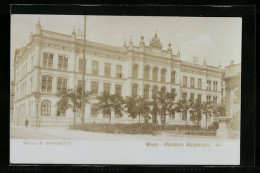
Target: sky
point(217, 39)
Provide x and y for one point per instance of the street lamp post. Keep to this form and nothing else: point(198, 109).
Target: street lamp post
point(83, 75)
point(37, 97)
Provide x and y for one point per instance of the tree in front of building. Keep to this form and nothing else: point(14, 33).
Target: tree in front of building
point(138, 107)
point(71, 99)
point(183, 107)
point(163, 103)
point(108, 103)
point(131, 107)
point(219, 110)
point(154, 109)
point(207, 110)
point(196, 111)
point(143, 109)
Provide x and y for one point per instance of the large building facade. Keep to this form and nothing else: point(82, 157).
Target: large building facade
point(52, 61)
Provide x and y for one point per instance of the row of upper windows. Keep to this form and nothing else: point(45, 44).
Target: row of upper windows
point(62, 85)
point(47, 61)
point(63, 65)
point(192, 83)
point(147, 89)
point(192, 96)
point(154, 73)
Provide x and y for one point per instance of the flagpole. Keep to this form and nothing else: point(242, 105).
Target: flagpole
point(83, 75)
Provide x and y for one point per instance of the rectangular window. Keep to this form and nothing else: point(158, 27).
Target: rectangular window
point(173, 77)
point(208, 98)
point(215, 100)
point(134, 90)
point(191, 97)
point(95, 68)
point(81, 65)
point(62, 62)
point(199, 83)
point(184, 96)
point(107, 70)
point(118, 71)
point(184, 115)
point(118, 89)
point(61, 84)
point(94, 110)
point(107, 88)
point(215, 86)
point(192, 82)
point(199, 97)
point(47, 60)
point(184, 81)
point(46, 83)
point(208, 84)
point(94, 88)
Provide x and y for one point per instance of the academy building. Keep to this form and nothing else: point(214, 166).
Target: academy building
point(53, 61)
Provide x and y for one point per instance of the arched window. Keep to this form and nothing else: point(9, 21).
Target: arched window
point(155, 73)
point(173, 76)
point(163, 74)
point(135, 71)
point(146, 91)
point(154, 91)
point(46, 108)
point(163, 92)
point(146, 72)
point(134, 90)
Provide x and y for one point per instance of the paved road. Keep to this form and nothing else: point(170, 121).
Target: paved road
point(31, 133)
point(63, 133)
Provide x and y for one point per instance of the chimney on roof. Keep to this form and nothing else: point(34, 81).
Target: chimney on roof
point(232, 62)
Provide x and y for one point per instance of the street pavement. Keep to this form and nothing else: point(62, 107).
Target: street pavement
point(63, 133)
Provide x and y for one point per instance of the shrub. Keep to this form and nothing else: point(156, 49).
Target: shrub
point(202, 133)
point(146, 128)
point(214, 126)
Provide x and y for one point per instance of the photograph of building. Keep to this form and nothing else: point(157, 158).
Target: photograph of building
point(124, 79)
point(52, 61)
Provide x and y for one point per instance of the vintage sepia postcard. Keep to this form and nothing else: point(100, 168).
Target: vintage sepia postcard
point(125, 90)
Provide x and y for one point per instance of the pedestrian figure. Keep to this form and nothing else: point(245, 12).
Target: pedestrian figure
point(26, 123)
